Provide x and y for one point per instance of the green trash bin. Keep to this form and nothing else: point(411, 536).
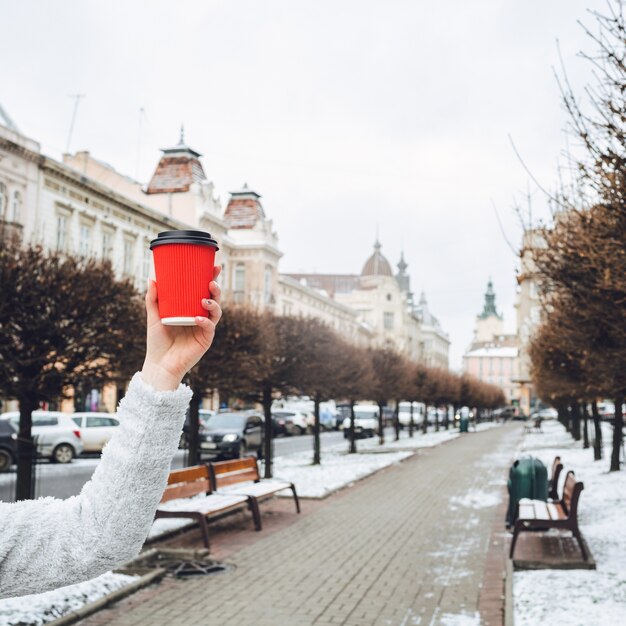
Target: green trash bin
point(464, 425)
point(528, 478)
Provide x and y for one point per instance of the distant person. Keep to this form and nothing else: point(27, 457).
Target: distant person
point(49, 543)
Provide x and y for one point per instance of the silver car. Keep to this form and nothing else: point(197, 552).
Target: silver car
point(96, 429)
point(58, 438)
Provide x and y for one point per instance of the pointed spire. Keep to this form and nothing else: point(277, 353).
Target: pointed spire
point(402, 264)
point(181, 141)
point(489, 308)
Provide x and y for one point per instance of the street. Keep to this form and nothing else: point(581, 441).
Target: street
point(63, 481)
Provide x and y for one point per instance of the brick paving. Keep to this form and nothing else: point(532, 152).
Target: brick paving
point(407, 546)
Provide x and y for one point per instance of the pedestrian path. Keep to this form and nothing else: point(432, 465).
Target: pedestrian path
point(407, 546)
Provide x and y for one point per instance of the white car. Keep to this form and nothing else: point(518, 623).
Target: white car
point(365, 421)
point(295, 421)
point(404, 413)
point(545, 414)
point(57, 436)
point(96, 429)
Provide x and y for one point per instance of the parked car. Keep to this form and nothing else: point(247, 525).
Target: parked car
point(506, 413)
point(8, 445)
point(232, 435)
point(203, 417)
point(404, 413)
point(365, 421)
point(96, 429)
point(295, 421)
point(58, 437)
point(545, 414)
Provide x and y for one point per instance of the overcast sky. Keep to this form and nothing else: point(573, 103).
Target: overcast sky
point(346, 116)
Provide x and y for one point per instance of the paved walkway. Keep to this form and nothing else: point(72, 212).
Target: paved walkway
point(407, 546)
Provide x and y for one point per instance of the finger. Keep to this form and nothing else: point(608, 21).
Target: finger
point(152, 307)
point(217, 270)
point(214, 310)
point(215, 290)
point(207, 327)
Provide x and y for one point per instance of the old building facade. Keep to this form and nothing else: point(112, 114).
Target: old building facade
point(493, 356)
point(84, 206)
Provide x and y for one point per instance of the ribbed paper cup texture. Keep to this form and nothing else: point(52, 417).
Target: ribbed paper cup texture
point(183, 273)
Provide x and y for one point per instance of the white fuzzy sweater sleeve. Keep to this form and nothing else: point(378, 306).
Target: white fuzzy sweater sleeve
point(50, 543)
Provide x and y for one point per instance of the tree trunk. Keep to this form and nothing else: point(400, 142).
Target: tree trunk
point(446, 420)
point(436, 420)
point(396, 420)
point(575, 412)
point(597, 432)
point(26, 451)
point(193, 434)
point(381, 424)
point(267, 438)
point(316, 433)
point(562, 410)
point(351, 434)
point(411, 422)
point(425, 420)
point(585, 425)
point(618, 424)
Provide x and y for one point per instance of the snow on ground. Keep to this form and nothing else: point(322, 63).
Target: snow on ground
point(476, 499)
point(580, 597)
point(405, 442)
point(338, 470)
point(460, 619)
point(35, 610)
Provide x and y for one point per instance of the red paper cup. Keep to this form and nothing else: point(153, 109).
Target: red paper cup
point(183, 265)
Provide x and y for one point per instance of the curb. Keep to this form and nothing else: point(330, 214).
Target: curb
point(115, 596)
point(508, 594)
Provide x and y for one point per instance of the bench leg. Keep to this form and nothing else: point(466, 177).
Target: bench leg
point(516, 531)
point(295, 497)
point(253, 505)
point(581, 544)
point(204, 529)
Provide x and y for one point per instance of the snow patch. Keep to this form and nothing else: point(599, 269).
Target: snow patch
point(35, 610)
point(476, 499)
point(460, 619)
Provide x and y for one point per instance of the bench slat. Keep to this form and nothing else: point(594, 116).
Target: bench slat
point(186, 490)
point(197, 472)
point(556, 511)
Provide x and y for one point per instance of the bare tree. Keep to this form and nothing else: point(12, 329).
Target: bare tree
point(63, 321)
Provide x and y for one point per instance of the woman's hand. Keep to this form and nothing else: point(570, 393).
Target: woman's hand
point(173, 350)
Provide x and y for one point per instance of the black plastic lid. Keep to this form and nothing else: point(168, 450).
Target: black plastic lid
point(196, 237)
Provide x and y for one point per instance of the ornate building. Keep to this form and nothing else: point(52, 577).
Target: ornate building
point(384, 303)
point(83, 205)
point(493, 356)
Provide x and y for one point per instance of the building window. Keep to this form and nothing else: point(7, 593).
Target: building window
point(107, 245)
point(128, 257)
point(84, 240)
point(3, 200)
point(267, 284)
point(17, 206)
point(145, 265)
point(62, 231)
point(240, 278)
point(388, 320)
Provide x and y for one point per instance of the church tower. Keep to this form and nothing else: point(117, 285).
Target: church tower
point(489, 324)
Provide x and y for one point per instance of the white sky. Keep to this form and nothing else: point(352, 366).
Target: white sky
point(343, 114)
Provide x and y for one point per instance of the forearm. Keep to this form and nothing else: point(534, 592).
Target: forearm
point(49, 543)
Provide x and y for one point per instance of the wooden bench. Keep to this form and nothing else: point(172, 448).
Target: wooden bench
point(225, 474)
point(539, 515)
point(193, 481)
